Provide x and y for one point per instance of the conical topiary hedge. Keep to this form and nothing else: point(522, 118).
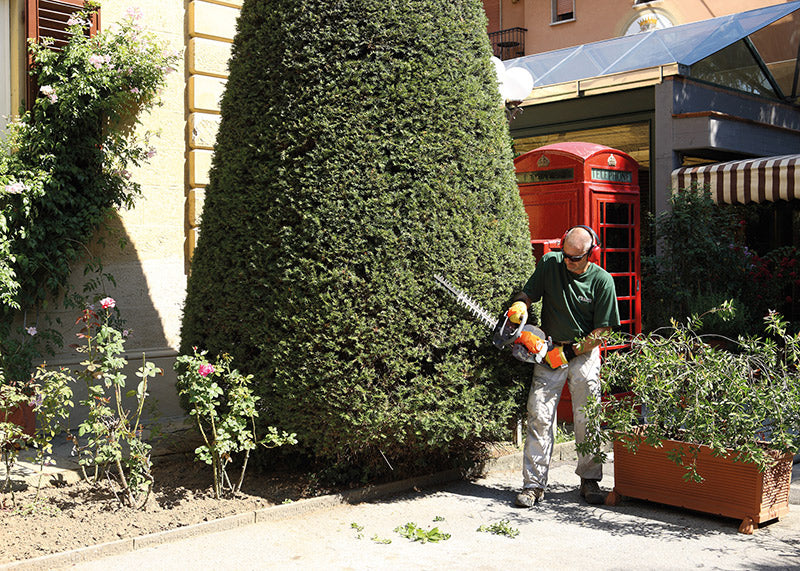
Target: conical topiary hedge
point(362, 148)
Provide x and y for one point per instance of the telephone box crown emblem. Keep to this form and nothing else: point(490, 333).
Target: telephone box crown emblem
point(543, 161)
point(612, 162)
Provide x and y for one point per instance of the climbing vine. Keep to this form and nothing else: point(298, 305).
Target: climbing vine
point(64, 165)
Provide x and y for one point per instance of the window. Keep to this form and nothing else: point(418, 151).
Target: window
point(48, 18)
point(563, 10)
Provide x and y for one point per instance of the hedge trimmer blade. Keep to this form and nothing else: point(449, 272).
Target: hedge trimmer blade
point(504, 333)
point(473, 306)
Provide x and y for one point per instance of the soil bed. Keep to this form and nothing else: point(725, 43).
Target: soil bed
point(80, 515)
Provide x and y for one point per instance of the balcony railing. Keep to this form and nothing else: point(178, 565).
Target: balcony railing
point(510, 43)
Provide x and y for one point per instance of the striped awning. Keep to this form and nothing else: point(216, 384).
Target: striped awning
point(765, 179)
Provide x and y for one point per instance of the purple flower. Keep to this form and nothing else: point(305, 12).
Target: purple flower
point(31, 331)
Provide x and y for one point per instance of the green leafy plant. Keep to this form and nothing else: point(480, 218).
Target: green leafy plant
point(693, 239)
point(565, 432)
point(114, 446)
point(64, 167)
point(501, 527)
point(52, 405)
point(224, 407)
point(12, 437)
point(745, 401)
point(413, 532)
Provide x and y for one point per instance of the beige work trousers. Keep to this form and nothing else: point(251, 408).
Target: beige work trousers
point(583, 374)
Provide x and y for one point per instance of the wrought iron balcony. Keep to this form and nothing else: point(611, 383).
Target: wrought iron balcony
point(509, 43)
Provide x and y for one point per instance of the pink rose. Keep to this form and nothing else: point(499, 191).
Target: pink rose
point(205, 370)
point(15, 188)
point(108, 303)
point(96, 60)
point(49, 92)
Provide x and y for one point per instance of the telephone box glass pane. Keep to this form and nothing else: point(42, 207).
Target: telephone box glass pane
point(618, 213)
point(617, 262)
point(624, 310)
point(618, 238)
point(623, 285)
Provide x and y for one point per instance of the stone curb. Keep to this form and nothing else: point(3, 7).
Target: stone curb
point(507, 462)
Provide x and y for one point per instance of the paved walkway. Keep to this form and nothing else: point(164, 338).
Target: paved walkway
point(562, 533)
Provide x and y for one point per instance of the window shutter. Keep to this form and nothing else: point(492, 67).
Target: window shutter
point(564, 7)
point(48, 19)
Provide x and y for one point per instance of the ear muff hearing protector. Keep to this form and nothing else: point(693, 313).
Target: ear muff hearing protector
point(595, 239)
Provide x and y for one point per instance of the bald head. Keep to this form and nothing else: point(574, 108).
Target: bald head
point(578, 240)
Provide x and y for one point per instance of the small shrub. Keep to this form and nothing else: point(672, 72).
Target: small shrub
point(695, 239)
point(12, 438)
point(52, 404)
point(114, 446)
point(224, 407)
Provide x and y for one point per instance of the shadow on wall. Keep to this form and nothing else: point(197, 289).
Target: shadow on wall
point(149, 293)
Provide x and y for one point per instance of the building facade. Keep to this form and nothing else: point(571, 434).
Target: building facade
point(554, 24)
point(672, 83)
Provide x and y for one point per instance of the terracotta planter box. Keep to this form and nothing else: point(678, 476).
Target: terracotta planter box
point(23, 416)
point(730, 489)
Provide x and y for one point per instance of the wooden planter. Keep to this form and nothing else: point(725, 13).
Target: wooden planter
point(731, 489)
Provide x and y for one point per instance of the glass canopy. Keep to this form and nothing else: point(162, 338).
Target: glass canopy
point(754, 51)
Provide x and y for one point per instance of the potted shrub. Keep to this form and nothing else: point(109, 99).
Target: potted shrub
point(723, 424)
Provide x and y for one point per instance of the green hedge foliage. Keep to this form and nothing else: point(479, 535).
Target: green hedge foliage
point(363, 147)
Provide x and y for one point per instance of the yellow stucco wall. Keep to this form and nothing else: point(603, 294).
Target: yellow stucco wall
point(211, 25)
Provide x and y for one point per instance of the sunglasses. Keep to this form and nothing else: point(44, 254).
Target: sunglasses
point(574, 258)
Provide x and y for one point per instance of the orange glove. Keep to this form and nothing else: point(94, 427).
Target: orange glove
point(532, 343)
point(517, 310)
point(559, 356)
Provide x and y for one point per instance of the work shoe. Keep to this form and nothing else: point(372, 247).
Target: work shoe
point(529, 497)
point(591, 492)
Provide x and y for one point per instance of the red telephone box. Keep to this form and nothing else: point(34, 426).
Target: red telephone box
point(566, 184)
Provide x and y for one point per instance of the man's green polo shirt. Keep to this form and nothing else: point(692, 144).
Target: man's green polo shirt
point(573, 305)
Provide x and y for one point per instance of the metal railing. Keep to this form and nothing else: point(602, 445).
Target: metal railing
point(509, 43)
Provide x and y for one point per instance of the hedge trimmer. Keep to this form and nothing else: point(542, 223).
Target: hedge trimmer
point(504, 332)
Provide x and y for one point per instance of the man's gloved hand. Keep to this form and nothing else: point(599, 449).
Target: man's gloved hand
point(517, 311)
point(534, 344)
point(559, 356)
